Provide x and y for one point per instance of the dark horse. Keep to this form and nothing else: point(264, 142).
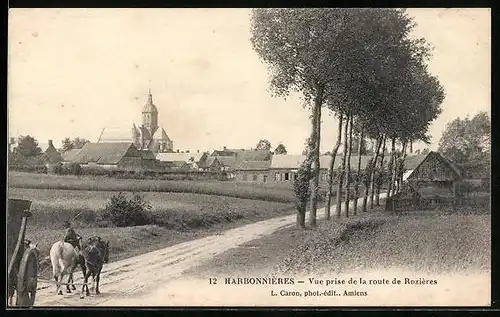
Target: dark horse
point(95, 253)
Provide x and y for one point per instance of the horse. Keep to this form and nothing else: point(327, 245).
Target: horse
point(13, 282)
point(64, 258)
point(95, 253)
point(79, 262)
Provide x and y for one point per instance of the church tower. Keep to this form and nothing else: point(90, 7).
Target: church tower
point(150, 115)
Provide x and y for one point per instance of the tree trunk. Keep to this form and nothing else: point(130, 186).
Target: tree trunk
point(367, 186)
point(301, 217)
point(400, 176)
point(393, 169)
point(379, 184)
point(411, 147)
point(318, 101)
point(341, 176)
point(348, 170)
point(358, 182)
point(372, 180)
point(332, 169)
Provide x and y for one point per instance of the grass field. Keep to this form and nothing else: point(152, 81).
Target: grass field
point(172, 210)
point(177, 217)
point(259, 191)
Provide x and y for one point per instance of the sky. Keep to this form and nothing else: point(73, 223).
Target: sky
point(73, 72)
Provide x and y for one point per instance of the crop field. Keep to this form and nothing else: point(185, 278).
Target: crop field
point(259, 191)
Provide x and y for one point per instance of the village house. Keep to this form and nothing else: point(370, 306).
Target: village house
point(114, 156)
point(51, 157)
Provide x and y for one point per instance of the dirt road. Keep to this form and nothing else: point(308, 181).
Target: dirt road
point(123, 282)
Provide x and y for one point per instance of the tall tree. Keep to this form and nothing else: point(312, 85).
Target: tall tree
point(342, 171)
point(27, 146)
point(357, 178)
point(331, 168)
point(280, 149)
point(361, 147)
point(467, 140)
point(301, 48)
point(263, 144)
point(381, 174)
point(67, 144)
point(348, 175)
point(78, 142)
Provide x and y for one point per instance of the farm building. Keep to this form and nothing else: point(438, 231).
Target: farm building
point(194, 161)
point(231, 159)
point(435, 175)
point(255, 171)
point(433, 180)
point(213, 164)
point(122, 156)
point(283, 167)
point(70, 155)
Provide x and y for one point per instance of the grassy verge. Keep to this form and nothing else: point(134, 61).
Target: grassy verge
point(428, 242)
point(431, 241)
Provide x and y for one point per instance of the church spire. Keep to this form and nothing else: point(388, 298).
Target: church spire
point(150, 97)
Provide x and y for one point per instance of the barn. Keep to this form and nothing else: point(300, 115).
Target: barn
point(69, 155)
point(194, 161)
point(433, 181)
point(232, 159)
point(112, 156)
point(254, 171)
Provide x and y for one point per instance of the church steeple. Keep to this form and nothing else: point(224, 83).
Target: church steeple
point(150, 114)
point(150, 97)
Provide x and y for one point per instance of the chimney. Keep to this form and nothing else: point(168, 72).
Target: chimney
point(197, 151)
point(51, 144)
point(225, 148)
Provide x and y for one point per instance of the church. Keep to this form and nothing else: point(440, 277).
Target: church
point(147, 136)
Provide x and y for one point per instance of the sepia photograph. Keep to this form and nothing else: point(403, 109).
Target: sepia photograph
point(239, 157)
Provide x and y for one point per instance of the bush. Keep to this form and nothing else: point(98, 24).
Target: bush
point(124, 212)
point(72, 169)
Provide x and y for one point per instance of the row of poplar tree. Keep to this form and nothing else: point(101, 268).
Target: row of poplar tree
point(363, 66)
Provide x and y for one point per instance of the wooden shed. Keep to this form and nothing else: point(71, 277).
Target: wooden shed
point(433, 181)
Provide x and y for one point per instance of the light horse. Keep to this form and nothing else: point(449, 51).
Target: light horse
point(64, 258)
